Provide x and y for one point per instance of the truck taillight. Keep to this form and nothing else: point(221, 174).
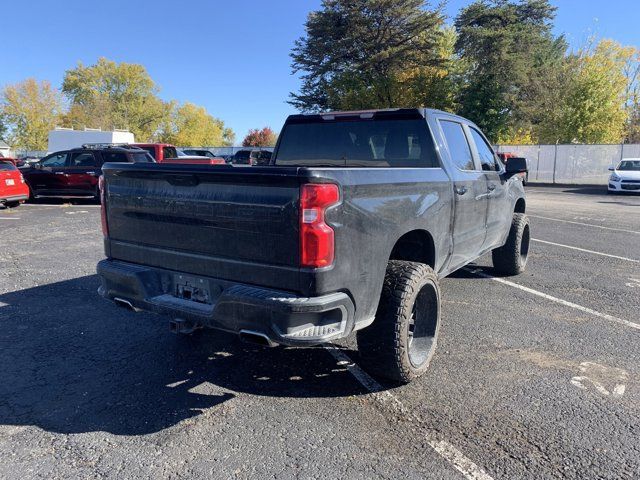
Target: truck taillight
point(316, 237)
point(103, 207)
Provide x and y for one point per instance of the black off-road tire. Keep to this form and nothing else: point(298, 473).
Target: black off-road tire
point(511, 258)
point(410, 299)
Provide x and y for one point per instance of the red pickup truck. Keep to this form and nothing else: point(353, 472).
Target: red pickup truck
point(166, 153)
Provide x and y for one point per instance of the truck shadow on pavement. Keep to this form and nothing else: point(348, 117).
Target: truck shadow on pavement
point(73, 362)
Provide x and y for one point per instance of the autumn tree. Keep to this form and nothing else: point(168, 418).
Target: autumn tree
point(264, 137)
point(3, 127)
point(366, 54)
point(30, 109)
point(111, 95)
point(632, 94)
point(191, 125)
point(592, 107)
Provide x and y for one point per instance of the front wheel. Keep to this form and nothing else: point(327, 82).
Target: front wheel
point(399, 344)
point(511, 258)
point(12, 204)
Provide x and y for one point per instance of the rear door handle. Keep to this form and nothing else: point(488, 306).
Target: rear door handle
point(91, 173)
point(461, 190)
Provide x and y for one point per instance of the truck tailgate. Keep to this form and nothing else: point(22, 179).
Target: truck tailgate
point(204, 220)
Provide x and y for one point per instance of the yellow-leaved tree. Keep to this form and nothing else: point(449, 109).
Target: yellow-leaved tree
point(190, 125)
point(592, 105)
point(111, 95)
point(30, 109)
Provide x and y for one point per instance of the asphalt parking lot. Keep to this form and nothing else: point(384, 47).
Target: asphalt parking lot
point(535, 376)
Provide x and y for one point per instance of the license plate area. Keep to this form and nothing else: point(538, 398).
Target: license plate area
point(9, 182)
point(194, 289)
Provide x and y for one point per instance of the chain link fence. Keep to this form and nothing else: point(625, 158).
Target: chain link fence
point(571, 164)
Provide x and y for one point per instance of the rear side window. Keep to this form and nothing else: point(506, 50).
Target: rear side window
point(118, 157)
point(83, 159)
point(364, 143)
point(458, 145)
point(7, 166)
point(487, 157)
point(142, 157)
point(169, 152)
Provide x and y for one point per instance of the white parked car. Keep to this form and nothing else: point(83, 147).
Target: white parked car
point(626, 176)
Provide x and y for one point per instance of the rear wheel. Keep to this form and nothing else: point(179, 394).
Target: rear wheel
point(511, 258)
point(12, 204)
point(399, 344)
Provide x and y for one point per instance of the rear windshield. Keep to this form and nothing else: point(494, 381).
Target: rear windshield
point(353, 143)
point(142, 157)
point(242, 154)
point(150, 150)
point(7, 166)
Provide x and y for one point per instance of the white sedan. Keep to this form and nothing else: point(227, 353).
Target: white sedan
point(626, 176)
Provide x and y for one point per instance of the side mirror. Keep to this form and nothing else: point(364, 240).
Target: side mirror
point(611, 169)
point(516, 165)
point(37, 165)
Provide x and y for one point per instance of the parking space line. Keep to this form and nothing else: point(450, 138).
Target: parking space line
point(585, 224)
point(566, 303)
point(585, 250)
point(451, 454)
point(9, 218)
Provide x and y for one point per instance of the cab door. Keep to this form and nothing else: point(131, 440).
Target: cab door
point(470, 195)
point(499, 213)
point(82, 173)
point(47, 177)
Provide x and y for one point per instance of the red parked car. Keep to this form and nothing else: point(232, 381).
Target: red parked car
point(16, 161)
point(13, 189)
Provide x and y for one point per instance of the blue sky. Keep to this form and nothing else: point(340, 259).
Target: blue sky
point(231, 57)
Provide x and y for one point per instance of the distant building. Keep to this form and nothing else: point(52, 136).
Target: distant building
point(66, 138)
point(5, 149)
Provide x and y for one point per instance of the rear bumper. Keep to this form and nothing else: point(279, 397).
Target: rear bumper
point(14, 198)
point(283, 317)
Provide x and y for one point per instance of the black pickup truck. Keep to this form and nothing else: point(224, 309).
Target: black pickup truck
point(348, 229)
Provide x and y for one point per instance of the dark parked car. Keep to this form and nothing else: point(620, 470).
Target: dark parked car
point(252, 157)
point(74, 173)
point(348, 229)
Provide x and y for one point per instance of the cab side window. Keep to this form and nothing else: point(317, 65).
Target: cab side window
point(488, 159)
point(459, 148)
point(55, 160)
